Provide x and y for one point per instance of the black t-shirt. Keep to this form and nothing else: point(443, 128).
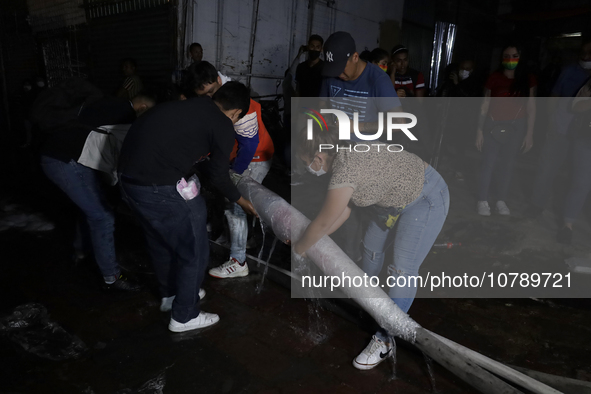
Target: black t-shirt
point(309, 79)
point(67, 141)
point(162, 146)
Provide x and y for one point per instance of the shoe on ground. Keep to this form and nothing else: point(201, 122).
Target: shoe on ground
point(374, 353)
point(502, 208)
point(123, 284)
point(483, 208)
point(533, 211)
point(565, 236)
point(166, 304)
point(203, 320)
point(230, 269)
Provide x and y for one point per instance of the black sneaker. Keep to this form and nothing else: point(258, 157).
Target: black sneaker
point(564, 236)
point(123, 284)
point(533, 211)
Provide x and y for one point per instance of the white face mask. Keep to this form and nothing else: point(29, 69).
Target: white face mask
point(585, 64)
point(313, 171)
point(464, 74)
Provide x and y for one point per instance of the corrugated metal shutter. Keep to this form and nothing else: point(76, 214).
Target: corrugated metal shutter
point(145, 35)
point(54, 14)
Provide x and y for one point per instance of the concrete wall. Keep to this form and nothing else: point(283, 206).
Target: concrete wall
point(225, 29)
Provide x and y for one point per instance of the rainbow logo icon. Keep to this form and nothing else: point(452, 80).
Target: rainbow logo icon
point(315, 115)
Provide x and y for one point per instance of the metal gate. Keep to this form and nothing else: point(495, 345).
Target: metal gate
point(142, 30)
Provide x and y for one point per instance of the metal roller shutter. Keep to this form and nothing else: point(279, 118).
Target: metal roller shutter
point(145, 35)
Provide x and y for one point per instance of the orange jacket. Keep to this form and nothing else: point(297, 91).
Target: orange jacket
point(265, 148)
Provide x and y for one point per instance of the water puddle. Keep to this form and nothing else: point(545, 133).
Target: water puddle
point(29, 326)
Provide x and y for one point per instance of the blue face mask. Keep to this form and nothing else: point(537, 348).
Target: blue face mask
point(313, 171)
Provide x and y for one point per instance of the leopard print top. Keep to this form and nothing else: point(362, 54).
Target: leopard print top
point(384, 178)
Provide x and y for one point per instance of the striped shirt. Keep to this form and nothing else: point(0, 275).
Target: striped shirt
point(133, 85)
point(411, 81)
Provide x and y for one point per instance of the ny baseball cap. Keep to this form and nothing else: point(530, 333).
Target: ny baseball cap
point(337, 50)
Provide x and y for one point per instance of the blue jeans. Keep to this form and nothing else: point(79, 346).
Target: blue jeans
point(417, 229)
point(499, 157)
point(239, 229)
point(581, 183)
point(176, 236)
point(555, 152)
point(82, 186)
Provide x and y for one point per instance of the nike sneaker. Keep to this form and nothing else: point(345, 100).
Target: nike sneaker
point(374, 353)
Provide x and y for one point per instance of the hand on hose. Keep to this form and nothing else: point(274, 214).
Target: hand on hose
point(296, 255)
point(296, 249)
point(247, 206)
point(235, 177)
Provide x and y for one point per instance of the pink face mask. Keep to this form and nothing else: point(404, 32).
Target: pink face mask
point(188, 190)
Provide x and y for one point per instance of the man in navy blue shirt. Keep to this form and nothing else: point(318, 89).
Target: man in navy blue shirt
point(558, 143)
point(353, 85)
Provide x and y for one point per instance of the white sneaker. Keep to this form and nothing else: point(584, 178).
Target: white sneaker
point(166, 304)
point(230, 269)
point(203, 320)
point(483, 208)
point(502, 208)
point(375, 352)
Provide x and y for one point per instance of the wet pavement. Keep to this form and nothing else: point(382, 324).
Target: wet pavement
point(265, 343)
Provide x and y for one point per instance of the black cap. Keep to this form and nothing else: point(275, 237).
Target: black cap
point(337, 50)
point(398, 49)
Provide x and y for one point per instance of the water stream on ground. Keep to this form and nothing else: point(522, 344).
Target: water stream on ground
point(263, 229)
point(392, 360)
point(430, 372)
point(260, 286)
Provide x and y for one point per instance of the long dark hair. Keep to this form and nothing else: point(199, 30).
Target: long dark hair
point(520, 85)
